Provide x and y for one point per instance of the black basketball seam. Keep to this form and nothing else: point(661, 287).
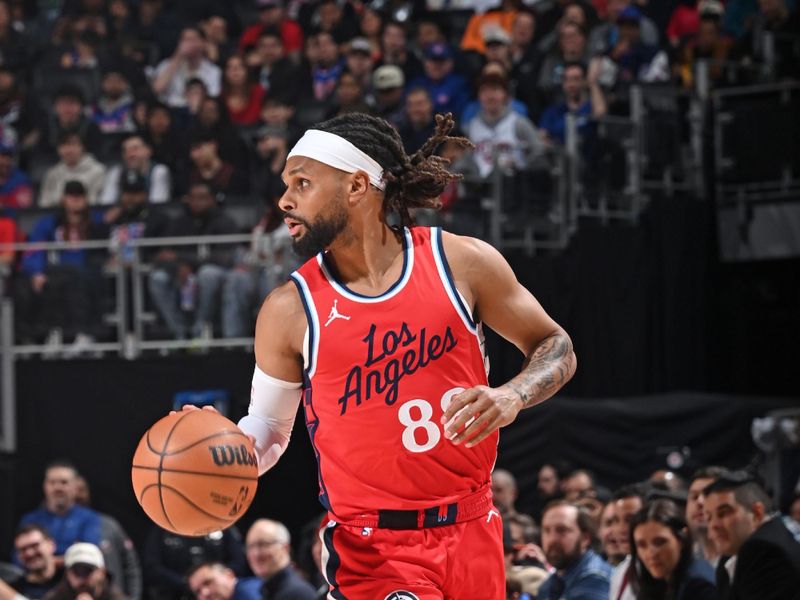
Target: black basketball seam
point(185, 472)
point(161, 464)
point(205, 439)
point(149, 445)
point(182, 495)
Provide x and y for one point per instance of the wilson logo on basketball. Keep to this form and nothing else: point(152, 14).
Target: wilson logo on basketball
point(228, 455)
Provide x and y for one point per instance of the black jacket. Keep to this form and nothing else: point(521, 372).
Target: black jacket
point(767, 567)
point(286, 584)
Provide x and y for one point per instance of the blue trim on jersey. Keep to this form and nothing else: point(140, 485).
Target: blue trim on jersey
point(311, 316)
point(452, 290)
point(405, 274)
point(333, 564)
point(311, 425)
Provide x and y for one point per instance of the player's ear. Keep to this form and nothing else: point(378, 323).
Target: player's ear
point(359, 185)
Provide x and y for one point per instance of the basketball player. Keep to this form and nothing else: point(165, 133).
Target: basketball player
point(379, 335)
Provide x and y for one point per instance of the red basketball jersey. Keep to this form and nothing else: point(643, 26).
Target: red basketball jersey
point(379, 373)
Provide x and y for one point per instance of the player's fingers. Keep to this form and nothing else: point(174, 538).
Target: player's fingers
point(188, 407)
point(211, 408)
point(458, 402)
point(473, 428)
point(465, 417)
point(486, 432)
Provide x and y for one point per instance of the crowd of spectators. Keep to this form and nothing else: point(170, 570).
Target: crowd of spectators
point(715, 535)
point(116, 116)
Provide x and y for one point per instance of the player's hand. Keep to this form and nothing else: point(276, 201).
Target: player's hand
point(477, 412)
point(190, 407)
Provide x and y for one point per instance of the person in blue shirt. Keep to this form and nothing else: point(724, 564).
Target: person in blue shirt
point(448, 90)
point(66, 521)
point(215, 581)
point(581, 574)
point(582, 97)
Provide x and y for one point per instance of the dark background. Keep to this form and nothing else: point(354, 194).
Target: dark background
point(652, 311)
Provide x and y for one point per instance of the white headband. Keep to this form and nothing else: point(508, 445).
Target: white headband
point(337, 152)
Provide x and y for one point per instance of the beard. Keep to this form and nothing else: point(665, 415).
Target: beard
point(561, 558)
point(320, 234)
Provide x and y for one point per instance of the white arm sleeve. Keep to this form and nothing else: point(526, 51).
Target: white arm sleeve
point(273, 407)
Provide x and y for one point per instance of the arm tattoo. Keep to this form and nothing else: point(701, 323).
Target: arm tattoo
point(545, 371)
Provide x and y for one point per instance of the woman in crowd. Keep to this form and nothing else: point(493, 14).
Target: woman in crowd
point(663, 566)
point(242, 95)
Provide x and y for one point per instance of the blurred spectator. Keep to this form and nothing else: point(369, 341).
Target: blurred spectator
point(133, 217)
point(359, 63)
point(68, 117)
point(782, 54)
point(526, 61)
point(571, 47)
point(525, 572)
point(187, 61)
point(82, 51)
point(669, 481)
point(504, 492)
point(122, 563)
point(268, 554)
point(277, 73)
point(154, 27)
point(370, 25)
point(501, 136)
point(567, 537)
point(35, 551)
point(16, 190)
point(573, 12)
point(309, 555)
point(15, 49)
point(605, 37)
point(17, 113)
point(794, 508)
point(208, 167)
point(388, 82)
point(578, 484)
point(168, 557)
point(332, 18)
point(683, 22)
point(9, 234)
point(75, 165)
point(196, 93)
point(349, 97)
point(63, 298)
point(711, 44)
point(762, 558)
point(608, 540)
point(636, 59)
point(218, 46)
point(278, 113)
point(163, 139)
point(263, 267)
point(326, 67)
point(583, 98)
point(181, 284)
point(394, 44)
point(240, 92)
point(272, 15)
point(628, 501)
point(419, 123)
point(270, 147)
point(85, 577)
point(137, 158)
point(739, 16)
point(663, 565)
point(213, 121)
point(66, 521)
point(474, 106)
point(113, 112)
point(447, 89)
point(548, 482)
point(498, 47)
point(502, 17)
point(428, 33)
point(555, 12)
point(215, 581)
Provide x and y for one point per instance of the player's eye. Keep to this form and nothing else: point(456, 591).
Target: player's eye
point(303, 183)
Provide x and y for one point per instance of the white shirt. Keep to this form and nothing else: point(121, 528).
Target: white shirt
point(173, 95)
point(617, 578)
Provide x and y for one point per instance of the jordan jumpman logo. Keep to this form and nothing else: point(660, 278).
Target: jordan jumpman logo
point(335, 314)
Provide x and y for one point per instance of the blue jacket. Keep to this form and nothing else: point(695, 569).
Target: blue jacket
point(450, 94)
point(587, 579)
point(49, 229)
point(80, 524)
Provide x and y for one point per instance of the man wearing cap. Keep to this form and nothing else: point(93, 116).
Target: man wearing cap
point(760, 557)
point(85, 576)
point(604, 36)
point(360, 63)
point(448, 90)
point(388, 82)
point(137, 155)
point(635, 59)
point(272, 15)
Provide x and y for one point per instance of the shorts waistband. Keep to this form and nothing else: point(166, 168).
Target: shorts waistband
point(474, 506)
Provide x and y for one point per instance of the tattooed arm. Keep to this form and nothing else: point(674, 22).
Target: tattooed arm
point(497, 299)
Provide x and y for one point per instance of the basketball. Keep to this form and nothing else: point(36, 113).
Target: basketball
point(194, 472)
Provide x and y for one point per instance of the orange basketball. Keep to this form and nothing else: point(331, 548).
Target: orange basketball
point(194, 472)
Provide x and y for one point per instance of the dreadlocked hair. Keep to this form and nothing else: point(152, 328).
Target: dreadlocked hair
point(411, 181)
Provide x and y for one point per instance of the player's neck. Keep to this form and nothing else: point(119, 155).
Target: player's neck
point(367, 256)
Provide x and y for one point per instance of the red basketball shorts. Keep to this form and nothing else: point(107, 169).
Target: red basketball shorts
point(463, 561)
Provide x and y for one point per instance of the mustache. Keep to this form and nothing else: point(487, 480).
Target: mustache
point(293, 217)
